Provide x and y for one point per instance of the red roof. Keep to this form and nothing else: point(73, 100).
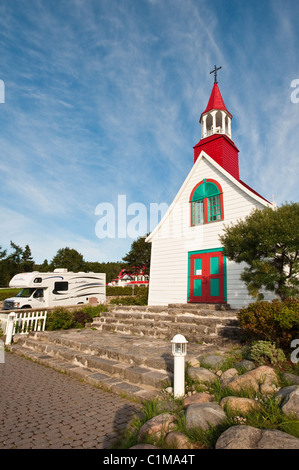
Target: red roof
point(216, 101)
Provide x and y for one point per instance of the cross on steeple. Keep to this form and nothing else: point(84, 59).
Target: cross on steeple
point(215, 73)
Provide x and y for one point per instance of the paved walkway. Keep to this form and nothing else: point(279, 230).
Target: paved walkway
point(43, 409)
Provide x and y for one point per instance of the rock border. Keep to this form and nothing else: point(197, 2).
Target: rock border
point(201, 411)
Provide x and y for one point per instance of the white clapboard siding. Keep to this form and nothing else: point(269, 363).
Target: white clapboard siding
point(173, 238)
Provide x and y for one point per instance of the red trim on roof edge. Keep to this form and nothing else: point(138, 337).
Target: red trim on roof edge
point(253, 191)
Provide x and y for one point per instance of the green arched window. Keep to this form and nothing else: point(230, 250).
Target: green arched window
point(206, 202)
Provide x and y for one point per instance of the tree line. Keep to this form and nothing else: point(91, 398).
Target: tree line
point(21, 260)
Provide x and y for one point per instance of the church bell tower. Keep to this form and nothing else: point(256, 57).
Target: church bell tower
point(216, 138)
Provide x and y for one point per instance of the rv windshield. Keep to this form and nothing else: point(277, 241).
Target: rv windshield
point(27, 292)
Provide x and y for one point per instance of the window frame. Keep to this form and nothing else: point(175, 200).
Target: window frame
point(60, 286)
point(205, 203)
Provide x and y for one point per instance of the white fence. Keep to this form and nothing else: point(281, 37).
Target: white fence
point(24, 322)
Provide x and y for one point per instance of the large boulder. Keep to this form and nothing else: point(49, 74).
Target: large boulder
point(245, 364)
point(247, 437)
point(202, 375)
point(227, 376)
point(201, 397)
point(213, 360)
point(178, 440)
point(263, 379)
point(239, 404)
point(204, 415)
point(144, 446)
point(156, 427)
point(289, 400)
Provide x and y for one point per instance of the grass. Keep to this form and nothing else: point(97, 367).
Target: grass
point(269, 416)
point(6, 293)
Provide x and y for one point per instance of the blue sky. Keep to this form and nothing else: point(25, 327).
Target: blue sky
point(103, 98)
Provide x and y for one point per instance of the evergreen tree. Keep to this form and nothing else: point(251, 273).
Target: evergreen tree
point(27, 263)
point(68, 258)
point(139, 254)
point(268, 241)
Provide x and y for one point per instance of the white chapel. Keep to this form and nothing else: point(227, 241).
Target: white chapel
point(187, 261)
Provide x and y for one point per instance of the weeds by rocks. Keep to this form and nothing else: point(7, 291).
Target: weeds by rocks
point(218, 402)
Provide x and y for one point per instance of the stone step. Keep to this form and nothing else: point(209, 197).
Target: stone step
point(209, 326)
point(195, 309)
point(103, 347)
point(201, 306)
point(139, 382)
point(192, 334)
point(126, 364)
point(161, 319)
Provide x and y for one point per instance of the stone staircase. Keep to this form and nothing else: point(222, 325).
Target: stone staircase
point(199, 323)
point(127, 350)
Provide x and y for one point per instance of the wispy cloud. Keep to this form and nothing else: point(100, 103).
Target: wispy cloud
point(103, 98)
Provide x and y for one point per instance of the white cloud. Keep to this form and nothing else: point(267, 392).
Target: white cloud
point(103, 98)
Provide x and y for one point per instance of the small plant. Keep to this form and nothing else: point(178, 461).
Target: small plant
point(62, 318)
point(263, 352)
point(239, 420)
point(131, 300)
point(59, 319)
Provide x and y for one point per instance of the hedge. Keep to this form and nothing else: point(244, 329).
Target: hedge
point(276, 321)
point(126, 290)
point(62, 318)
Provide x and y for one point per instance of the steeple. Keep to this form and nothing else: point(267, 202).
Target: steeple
point(215, 119)
point(216, 137)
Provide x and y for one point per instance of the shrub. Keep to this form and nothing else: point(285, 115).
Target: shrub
point(130, 300)
point(263, 352)
point(59, 319)
point(276, 321)
point(62, 319)
point(126, 290)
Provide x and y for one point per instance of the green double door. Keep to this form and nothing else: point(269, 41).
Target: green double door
point(207, 276)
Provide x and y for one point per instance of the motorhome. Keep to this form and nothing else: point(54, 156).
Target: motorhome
point(58, 288)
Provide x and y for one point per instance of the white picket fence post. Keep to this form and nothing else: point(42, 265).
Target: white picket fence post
point(10, 326)
point(24, 322)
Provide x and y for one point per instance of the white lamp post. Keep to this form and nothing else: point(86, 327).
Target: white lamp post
point(179, 351)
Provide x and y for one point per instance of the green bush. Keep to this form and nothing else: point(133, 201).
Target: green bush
point(131, 300)
point(62, 318)
point(127, 290)
point(264, 352)
point(59, 319)
point(276, 321)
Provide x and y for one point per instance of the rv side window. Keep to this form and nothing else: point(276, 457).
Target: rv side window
point(37, 280)
point(38, 294)
point(61, 286)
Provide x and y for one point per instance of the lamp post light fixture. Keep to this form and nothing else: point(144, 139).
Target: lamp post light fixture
point(179, 351)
